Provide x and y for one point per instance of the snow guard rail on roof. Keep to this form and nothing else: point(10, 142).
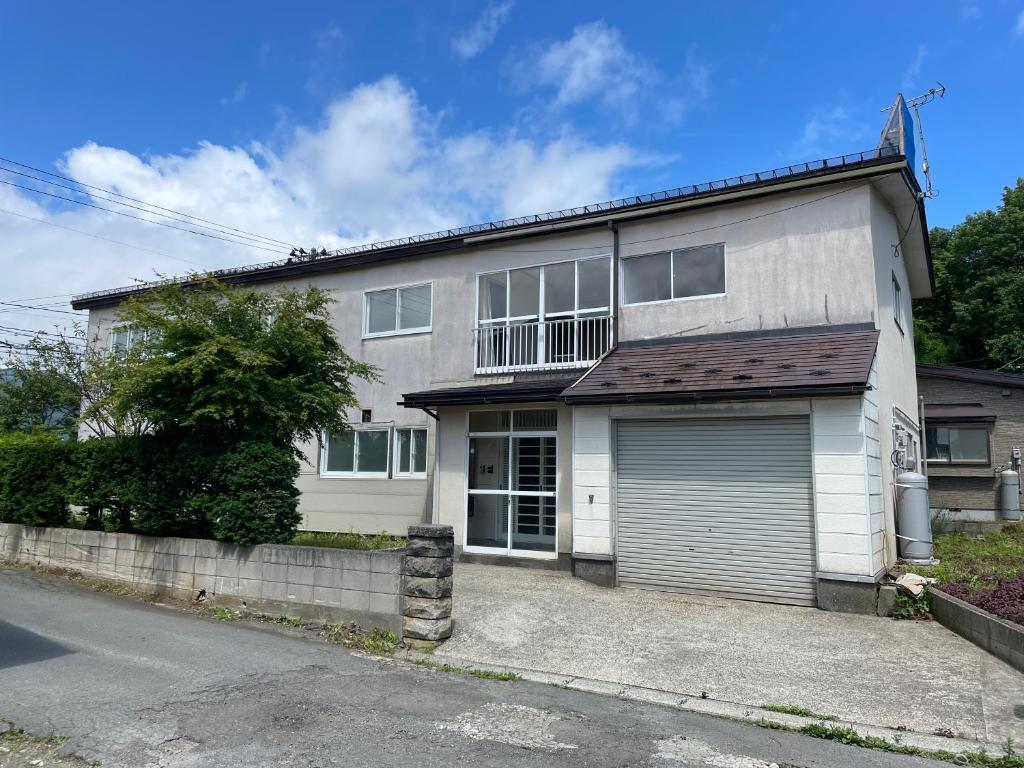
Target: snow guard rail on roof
point(679, 193)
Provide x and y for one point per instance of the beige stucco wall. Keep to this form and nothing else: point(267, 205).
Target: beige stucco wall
point(895, 365)
point(786, 266)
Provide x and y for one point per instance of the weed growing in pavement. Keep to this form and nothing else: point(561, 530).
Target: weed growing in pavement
point(771, 725)
point(377, 641)
point(224, 614)
point(845, 735)
point(908, 607)
point(790, 709)
point(483, 674)
point(289, 621)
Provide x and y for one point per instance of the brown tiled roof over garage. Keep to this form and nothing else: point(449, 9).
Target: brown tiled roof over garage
point(796, 362)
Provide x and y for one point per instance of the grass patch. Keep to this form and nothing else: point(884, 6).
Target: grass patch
point(348, 540)
point(289, 621)
point(223, 614)
point(789, 709)
point(978, 560)
point(377, 641)
point(483, 674)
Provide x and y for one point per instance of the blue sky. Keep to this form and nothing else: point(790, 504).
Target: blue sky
point(330, 124)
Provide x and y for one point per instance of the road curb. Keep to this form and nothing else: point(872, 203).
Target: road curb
point(716, 707)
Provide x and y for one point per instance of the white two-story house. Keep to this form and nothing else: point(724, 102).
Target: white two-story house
point(694, 390)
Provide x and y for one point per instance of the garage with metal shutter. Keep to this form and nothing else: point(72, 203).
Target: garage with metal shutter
point(719, 507)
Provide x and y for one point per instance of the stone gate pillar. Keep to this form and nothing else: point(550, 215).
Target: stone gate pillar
point(427, 585)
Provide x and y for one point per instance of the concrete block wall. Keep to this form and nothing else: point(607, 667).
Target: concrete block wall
point(307, 582)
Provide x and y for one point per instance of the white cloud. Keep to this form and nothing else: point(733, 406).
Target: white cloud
point(237, 96)
point(593, 63)
point(913, 70)
point(379, 165)
point(828, 132)
point(479, 37)
point(1020, 23)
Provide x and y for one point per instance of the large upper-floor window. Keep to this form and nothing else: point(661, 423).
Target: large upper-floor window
point(957, 445)
point(393, 311)
point(566, 290)
point(680, 274)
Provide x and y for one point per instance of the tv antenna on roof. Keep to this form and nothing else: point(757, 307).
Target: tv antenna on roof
point(896, 111)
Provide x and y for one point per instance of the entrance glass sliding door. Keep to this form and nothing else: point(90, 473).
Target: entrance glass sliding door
point(511, 504)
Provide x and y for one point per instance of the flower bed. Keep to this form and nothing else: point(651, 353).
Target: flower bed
point(1005, 600)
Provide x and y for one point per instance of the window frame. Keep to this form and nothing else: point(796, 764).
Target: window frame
point(672, 276)
point(986, 462)
point(542, 314)
point(130, 333)
point(396, 457)
point(897, 302)
point(398, 311)
point(355, 473)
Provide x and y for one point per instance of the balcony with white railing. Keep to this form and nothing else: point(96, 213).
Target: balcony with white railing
point(542, 345)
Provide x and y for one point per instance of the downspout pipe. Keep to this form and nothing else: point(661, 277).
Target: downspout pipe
point(614, 227)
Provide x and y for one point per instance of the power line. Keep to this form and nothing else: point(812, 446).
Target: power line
point(137, 218)
point(99, 237)
point(29, 306)
point(220, 229)
point(142, 202)
point(31, 332)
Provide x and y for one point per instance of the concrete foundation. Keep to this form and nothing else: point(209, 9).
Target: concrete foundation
point(848, 596)
point(600, 571)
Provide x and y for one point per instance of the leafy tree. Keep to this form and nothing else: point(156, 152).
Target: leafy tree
point(66, 380)
point(33, 400)
point(226, 364)
point(976, 316)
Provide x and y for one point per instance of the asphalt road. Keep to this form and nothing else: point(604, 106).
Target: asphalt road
point(133, 684)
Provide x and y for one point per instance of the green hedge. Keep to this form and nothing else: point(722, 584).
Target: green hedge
point(34, 474)
point(244, 494)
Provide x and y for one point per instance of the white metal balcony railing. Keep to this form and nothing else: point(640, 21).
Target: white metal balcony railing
point(542, 345)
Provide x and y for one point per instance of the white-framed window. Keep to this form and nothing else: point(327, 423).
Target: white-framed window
point(897, 303)
point(957, 445)
point(395, 311)
point(122, 338)
point(685, 273)
point(561, 290)
point(363, 452)
point(411, 452)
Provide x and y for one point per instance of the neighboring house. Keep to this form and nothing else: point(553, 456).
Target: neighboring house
point(973, 420)
point(691, 390)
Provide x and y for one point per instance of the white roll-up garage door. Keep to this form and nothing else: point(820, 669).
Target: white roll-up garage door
point(718, 507)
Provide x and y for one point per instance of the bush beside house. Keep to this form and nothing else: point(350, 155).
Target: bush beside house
point(193, 427)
